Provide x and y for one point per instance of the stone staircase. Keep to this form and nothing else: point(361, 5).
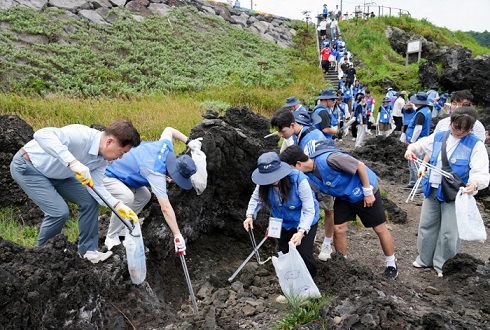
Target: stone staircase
point(332, 75)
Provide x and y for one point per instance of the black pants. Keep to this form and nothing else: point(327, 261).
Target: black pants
point(398, 123)
point(354, 129)
point(305, 249)
point(325, 66)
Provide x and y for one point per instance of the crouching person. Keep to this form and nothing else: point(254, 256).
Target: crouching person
point(290, 198)
point(356, 192)
point(151, 164)
point(59, 163)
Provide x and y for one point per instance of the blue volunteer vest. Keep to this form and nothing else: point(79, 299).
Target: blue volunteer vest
point(319, 108)
point(459, 160)
point(148, 154)
point(290, 211)
point(384, 114)
point(339, 184)
point(308, 141)
point(425, 127)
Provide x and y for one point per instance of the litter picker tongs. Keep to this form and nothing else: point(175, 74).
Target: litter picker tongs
point(256, 249)
point(130, 226)
point(418, 163)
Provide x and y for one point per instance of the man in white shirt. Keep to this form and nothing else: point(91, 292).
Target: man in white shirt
point(397, 110)
point(59, 164)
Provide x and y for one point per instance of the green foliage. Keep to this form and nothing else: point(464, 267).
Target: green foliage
point(482, 38)
point(182, 51)
point(302, 312)
point(380, 63)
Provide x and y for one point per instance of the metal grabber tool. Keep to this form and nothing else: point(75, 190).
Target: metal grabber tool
point(188, 280)
point(255, 251)
point(130, 226)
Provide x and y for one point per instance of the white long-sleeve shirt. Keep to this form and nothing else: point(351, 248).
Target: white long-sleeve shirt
point(307, 204)
point(478, 159)
point(52, 149)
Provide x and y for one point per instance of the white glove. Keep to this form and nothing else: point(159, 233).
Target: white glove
point(179, 244)
point(195, 144)
point(125, 212)
point(82, 173)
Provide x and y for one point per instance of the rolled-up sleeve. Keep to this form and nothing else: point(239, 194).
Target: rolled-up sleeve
point(308, 205)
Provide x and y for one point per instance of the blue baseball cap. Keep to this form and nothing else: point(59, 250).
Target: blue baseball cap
point(181, 169)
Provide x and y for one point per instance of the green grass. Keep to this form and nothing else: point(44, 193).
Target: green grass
point(301, 312)
point(10, 229)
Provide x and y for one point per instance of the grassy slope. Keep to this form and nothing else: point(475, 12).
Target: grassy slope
point(179, 52)
point(368, 41)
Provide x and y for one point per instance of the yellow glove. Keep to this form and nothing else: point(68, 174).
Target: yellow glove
point(82, 173)
point(125, 212)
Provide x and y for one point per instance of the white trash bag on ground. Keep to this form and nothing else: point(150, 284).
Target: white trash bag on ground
point(468, 218)
point(294, 277)
point(135, 253)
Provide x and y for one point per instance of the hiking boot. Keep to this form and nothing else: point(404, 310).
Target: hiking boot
point(110, 242)
point(96, 256)
point(325, 252)
point(409, 186)
point(391, 272)
point(439, 275)
point(419, 191)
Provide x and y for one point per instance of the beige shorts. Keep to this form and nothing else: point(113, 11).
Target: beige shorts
point(325, 201)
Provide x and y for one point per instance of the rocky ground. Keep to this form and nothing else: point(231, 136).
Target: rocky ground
point(51, 287)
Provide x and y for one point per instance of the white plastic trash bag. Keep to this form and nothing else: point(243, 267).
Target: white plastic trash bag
point(135, 253)
point(468, 218)
point(294, 277)
point(200, 178)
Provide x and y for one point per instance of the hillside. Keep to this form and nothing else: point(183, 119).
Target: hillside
point(53, 51)
point(381, 64)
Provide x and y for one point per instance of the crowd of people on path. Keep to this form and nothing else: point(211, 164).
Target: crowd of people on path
point(310, 173)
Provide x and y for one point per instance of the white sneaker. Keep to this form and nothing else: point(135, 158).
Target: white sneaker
point(325, 253)
point(110, 242)
point(96, 256)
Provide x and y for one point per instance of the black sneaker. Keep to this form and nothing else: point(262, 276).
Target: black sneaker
point(391, 272)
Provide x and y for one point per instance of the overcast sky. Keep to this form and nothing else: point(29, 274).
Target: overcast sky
point(454, 14)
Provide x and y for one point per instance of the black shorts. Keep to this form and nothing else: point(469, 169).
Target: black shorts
point(373, 216)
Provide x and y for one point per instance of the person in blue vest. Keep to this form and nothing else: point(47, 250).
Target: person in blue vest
point(293, 104)
point(356, 192)
point(418, 127)
point(439, 105)
point(325, 11)
point(344, 114)
point(432, 94)
point(385, 118)
point(237, 4)
point(438, 238)
point(288, 195)
point(298, 128)
point(324, 108)
point(408, 112)
point(151, 164)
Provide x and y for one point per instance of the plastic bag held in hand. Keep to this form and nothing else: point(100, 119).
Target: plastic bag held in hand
point(200, 178)
point(125, 212)
point(195, 144)
point(82, 173)
point(179, 244)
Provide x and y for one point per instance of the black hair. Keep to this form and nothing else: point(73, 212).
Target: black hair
point(284, 190)
point(282, 118)
point(293, 154)
point(463, 118)
point(464, 94)
point(124, 132)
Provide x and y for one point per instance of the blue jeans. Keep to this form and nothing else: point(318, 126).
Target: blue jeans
point(438, 236)
point(333, 32)
point(49, 195)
